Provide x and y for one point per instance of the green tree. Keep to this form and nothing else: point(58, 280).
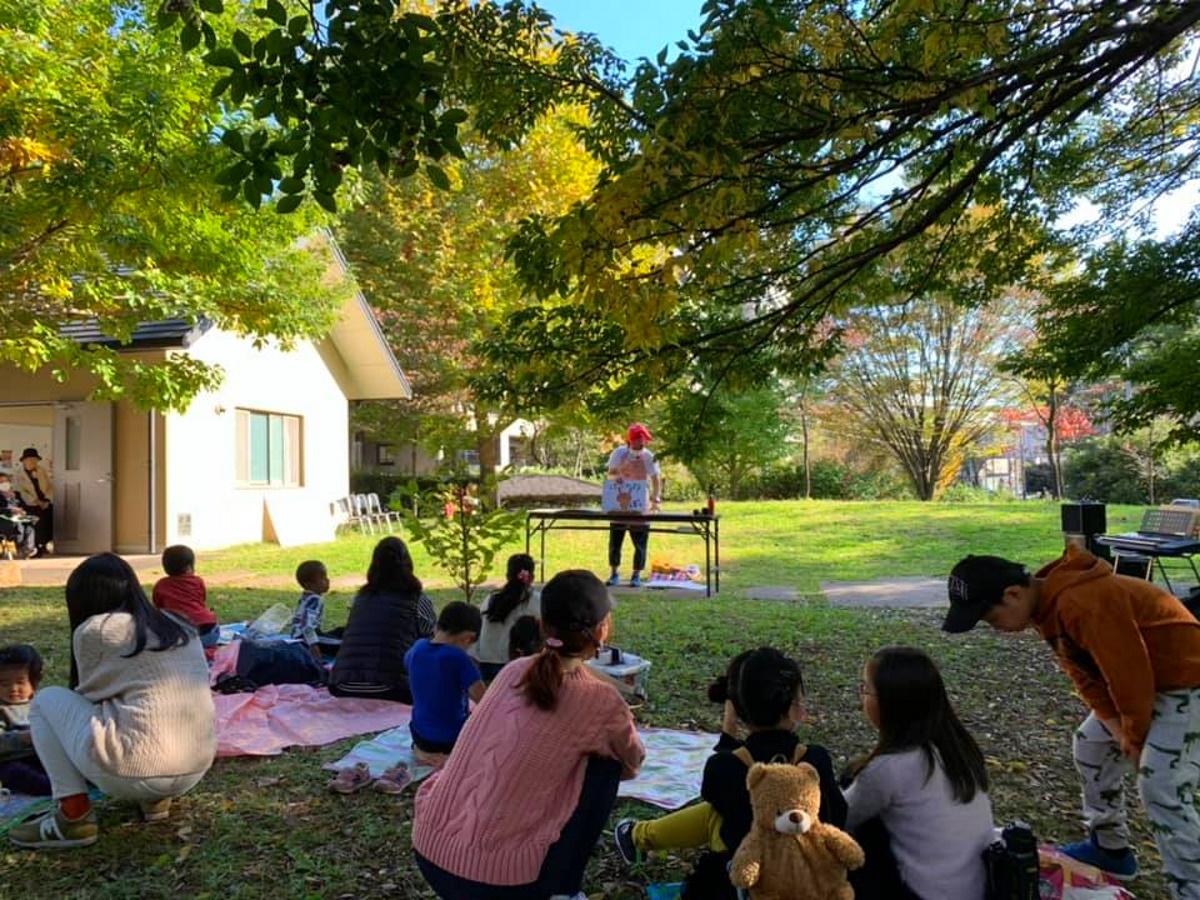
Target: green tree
point(920, 378)
point(348, 85)
point(795, 146)
point(1131, 313)
point(434, 264)
point(725, 436)
point(108, 210)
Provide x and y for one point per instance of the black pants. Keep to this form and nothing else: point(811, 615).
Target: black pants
point(616, 537)
point(880, 878)
point(563, 869)
point(44, 529)
point(427, 745)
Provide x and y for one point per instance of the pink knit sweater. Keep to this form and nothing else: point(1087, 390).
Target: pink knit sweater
point(515, 775)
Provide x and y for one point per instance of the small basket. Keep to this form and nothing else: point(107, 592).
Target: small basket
point(625, 671)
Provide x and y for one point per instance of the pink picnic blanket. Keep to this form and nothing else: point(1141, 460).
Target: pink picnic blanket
point(290, 715)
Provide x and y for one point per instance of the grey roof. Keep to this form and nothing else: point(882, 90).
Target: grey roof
point(164, 333)
point(560, 488)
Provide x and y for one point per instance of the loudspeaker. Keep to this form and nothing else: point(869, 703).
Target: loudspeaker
point(1084, 518)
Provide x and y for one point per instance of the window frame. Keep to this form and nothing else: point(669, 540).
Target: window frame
point(285, 427)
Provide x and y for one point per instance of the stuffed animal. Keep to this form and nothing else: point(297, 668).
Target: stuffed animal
point(789, 854)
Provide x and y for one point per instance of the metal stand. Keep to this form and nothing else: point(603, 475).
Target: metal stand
point(539, 521)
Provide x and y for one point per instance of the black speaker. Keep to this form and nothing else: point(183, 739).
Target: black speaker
point(1084, 518)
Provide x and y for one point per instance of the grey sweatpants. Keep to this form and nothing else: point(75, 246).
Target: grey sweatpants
point(1168, 774)
point(60, 721)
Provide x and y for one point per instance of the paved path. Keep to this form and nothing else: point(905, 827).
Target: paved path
point(910, 592)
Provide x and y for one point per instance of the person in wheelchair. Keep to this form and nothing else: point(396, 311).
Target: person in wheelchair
point(16, 525)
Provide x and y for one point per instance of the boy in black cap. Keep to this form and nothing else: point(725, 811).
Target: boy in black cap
point(1133, 651)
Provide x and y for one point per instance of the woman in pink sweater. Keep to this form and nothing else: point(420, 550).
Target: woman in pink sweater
point(527, 791)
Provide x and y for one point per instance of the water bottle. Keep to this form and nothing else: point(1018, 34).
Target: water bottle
point(1021, 845)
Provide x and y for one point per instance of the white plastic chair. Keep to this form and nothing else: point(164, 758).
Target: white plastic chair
point(376, 510)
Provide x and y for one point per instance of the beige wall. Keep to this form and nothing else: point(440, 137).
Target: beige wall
point(131, 480)
point(131, 459)
point(200, 445)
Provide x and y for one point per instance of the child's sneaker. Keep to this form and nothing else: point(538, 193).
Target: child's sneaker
point(351, 779)
point(394, 780)
point(53, 830)
point(155, 810)
point(1120, 864)
point(613, 580)
point(623, 838)
point(635, 580)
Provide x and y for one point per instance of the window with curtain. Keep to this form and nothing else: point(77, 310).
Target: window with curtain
point(268, 449)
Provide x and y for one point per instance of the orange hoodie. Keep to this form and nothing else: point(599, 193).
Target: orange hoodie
point(1122, 640)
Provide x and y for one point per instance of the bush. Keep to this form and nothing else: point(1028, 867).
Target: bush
point(1039, 479)
point(969, 493)
point(831, 480)
point(1100, 470)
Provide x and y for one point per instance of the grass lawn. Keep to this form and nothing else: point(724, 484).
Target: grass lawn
point(258, 828)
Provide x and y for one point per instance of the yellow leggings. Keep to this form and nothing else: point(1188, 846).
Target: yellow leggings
point(697, 825)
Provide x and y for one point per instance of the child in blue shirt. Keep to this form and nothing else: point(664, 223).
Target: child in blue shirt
point(443, 678)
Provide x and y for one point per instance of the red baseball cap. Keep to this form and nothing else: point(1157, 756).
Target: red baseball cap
point(636, 430)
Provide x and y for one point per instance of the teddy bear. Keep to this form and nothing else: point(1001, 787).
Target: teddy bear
point(789, 854)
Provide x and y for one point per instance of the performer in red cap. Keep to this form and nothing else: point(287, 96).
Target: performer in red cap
point(637, 480)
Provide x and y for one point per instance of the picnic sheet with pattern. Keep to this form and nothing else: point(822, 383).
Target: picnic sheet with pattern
point(296, 715)
point(382, 752)
point(670, 777)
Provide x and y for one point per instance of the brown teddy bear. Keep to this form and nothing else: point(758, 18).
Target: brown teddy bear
point(789, 854)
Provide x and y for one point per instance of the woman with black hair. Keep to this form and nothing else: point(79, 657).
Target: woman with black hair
point(918, 804)
point(390, 613)
point(764, 690)
point(501, 610)
point(138, 719)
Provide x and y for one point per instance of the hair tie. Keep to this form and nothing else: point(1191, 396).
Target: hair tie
point(553, 643)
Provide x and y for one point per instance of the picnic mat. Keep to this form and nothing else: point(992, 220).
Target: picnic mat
point(289, 715)
point(670, 777)
point(382, 752)
point(674, 584)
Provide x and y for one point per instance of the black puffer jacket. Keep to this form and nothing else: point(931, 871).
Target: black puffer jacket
point(382, 626)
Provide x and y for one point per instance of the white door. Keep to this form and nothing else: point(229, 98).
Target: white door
point(83, 480)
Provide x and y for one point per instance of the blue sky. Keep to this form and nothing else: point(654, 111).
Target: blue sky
point(633, 28)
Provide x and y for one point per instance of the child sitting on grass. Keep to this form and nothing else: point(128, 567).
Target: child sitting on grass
point(918, 805)
point(310, 608)
point(517, 599)
point(443, 678)
point(524, 638)
point(764, 689)
point(20, 769)
point(183, 593)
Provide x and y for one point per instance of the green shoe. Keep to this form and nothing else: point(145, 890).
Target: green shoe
point(53, 829)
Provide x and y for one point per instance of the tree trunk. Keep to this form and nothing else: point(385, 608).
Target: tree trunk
point(488, 457)
point(807, 460)
point(1052, 453)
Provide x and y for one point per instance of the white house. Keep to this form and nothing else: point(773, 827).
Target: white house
point(261, 458)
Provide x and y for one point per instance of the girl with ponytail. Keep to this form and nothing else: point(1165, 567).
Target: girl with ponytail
point(527, 791)
point(501, 610)
point(762, 696)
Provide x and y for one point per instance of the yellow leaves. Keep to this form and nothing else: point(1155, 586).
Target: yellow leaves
point(22, 155)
